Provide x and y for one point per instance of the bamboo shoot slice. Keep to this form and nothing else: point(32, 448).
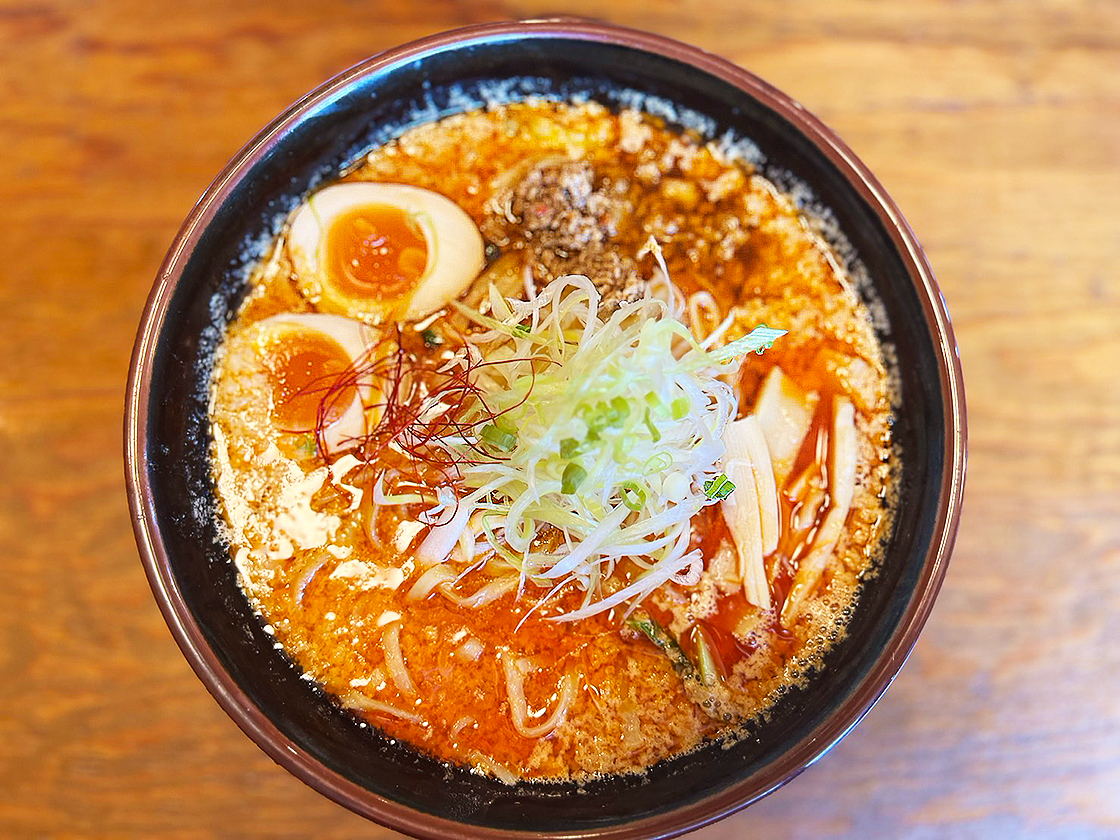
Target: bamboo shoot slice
point(764, 482)
point(841, 488)
point(751, 511)
point(740, 511)
point(785, 413)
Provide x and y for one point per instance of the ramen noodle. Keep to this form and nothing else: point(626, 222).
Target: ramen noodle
point(552, 441)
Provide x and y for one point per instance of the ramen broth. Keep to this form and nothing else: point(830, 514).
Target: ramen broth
point(458, 653)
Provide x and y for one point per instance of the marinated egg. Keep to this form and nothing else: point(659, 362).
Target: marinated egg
point(314, 369)
point(383, 251)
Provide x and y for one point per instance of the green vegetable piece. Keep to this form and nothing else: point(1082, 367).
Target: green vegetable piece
point(568, 447)
point(605, 416)
point(573, 477)
point(719, 487)
point(679, 408)
point(657, 634)
point(658, 463)
point(594, 420)
point(431, 338)
point(633, 495)
point(709, 671)
point(306, 446)
point(757, 340)
point(520, 330)
point(494, 436)
point(654, 433)
point(620, 410)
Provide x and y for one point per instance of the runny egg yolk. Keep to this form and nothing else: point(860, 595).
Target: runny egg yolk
point(306, 370)
point(376, 251)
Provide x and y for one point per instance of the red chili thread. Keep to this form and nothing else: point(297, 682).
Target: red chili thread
point(408, 383)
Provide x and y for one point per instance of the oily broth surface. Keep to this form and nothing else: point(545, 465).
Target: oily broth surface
point(331, 592)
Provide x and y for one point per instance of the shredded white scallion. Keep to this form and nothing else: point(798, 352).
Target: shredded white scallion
point(601, 429)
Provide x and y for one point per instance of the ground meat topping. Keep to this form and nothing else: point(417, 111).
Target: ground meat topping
point(567, 221)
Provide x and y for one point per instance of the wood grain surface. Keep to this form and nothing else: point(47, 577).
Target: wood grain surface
point(995, 126)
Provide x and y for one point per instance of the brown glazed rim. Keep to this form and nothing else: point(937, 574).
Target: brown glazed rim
point(283, 750)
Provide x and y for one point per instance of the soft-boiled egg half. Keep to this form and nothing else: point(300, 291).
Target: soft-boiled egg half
point(383, 251)
point(318, 373)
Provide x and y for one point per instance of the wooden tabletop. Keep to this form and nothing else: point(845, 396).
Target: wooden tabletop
point(995, 126)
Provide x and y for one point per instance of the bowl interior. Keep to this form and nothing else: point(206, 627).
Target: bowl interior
point(202, 285)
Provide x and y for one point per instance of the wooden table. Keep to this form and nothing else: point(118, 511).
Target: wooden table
point(996, 127)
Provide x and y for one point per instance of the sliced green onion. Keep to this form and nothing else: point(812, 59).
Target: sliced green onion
point(573, 477)
point(594, 419)
point(603, 416)
point(719, 487)
point(654, 432)
point(498, 438)
point(680, 408)
point(621, 409)
point(568, 447)
point(633, 495)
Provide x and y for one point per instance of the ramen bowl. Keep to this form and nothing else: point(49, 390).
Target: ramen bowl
point(203, 279)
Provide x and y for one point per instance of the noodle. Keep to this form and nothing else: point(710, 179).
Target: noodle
point(486, 594)
point(519, 708)
point(354, 700)
point(499, 771)
point(394, 660)
point(435, 576)
point(470, 650)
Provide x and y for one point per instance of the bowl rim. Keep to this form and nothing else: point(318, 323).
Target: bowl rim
point(707, 809)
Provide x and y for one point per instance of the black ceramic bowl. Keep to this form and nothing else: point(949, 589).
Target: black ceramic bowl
point(203, 279)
